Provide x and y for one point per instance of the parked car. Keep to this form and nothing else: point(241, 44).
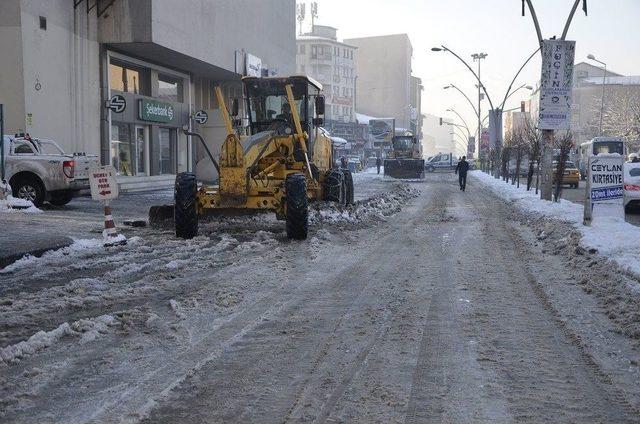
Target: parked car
point(39, 170)
point(571, 175)
point(445, 161)
point(631, 188)
point(357, 163)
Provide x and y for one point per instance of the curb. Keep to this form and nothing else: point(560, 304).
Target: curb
point(13, 257)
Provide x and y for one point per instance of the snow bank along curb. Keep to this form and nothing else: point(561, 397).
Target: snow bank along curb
point(376, 207)
point(613, 238)
point(14, 205)
point(87, 329)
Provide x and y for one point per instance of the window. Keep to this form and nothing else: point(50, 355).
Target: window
point(351, 54)
point(22, 147)
point(169, 88)
point(314, 52)
point(302, 49)
point(167, 151)
point(129, 79)
point(121, 157)
point(43, 23)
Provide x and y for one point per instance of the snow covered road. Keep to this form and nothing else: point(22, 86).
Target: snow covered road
point(420, 304)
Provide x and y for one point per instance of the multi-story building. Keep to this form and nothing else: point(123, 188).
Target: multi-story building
point(64, 60)
point(384, 78)
point(321, 56)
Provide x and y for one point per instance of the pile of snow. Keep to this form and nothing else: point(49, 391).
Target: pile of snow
point(81, 248)
point(376, 207)
point(88, 329)
point(12, 205)
point(613, 238)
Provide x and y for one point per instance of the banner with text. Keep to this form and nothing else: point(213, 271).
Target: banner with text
point(555, 84)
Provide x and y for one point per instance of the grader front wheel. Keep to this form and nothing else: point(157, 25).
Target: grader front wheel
point(297, 207)
point(185, 213)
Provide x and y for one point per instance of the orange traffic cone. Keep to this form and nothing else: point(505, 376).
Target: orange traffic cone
point(110, 235)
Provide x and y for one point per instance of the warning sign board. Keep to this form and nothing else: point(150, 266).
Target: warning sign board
point(103, 183)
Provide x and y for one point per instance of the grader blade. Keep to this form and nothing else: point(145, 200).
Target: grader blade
point(404, 168)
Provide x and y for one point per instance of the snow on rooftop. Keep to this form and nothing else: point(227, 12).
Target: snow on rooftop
point(629, 80)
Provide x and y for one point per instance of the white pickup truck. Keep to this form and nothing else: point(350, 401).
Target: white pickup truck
point(39, 170)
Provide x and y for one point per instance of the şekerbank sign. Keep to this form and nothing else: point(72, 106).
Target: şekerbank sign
point(155, 111)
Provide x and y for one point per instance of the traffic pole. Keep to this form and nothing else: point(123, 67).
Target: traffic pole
point(110, 234)
point(2, 172)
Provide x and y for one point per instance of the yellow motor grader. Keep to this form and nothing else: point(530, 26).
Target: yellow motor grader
point(285, 161)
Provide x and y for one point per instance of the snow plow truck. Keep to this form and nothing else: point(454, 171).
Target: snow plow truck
point(404, 160)
point(285, 162)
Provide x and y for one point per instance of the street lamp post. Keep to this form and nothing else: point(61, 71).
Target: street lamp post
point(478, 57)
point(604, 82)
point(547, 135)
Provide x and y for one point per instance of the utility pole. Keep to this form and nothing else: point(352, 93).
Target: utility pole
point(1, 143)
point(314, 15)
point(301, 10)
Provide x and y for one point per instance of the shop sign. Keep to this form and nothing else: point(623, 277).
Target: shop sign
point(155, 111)
point(201, 117)
point(117, 103)
point(604, 187)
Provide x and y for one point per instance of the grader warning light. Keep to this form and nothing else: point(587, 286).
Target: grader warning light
point(286, 161)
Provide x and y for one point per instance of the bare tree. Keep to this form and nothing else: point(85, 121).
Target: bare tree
point(563, 142)
point(532, 138)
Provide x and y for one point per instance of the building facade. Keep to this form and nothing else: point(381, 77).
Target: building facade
point(384, 86)
point(162, 57)
point(321, 56)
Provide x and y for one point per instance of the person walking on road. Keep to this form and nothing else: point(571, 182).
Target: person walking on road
point(461, 170)
point(378, 163)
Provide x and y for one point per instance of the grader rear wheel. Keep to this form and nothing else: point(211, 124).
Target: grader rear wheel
point(185, 213)
point(334, 187)
point(348, 184)
point(297, 207)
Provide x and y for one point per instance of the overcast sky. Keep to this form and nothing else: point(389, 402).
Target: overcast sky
point(611, 32)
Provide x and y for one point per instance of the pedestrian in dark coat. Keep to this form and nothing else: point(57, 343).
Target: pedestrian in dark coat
point(378, 163)
point(461, 169)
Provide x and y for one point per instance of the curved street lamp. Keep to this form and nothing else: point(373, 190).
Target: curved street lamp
point(604, 81)
point(465, 96)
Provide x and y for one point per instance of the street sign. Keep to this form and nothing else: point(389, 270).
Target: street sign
point(201, 117)
point(102, 181)
point(605, 187)
point(117, 103)
point(555, 84)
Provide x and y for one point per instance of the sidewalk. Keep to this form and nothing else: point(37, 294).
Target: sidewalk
point(57, 227)
point(20, 240)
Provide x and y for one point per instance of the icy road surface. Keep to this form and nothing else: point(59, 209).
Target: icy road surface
point(419, 304)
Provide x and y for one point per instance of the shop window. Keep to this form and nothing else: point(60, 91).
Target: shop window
point(121, 153)
point(43, 23)
point(129, 79)
point(169, 88)
point(167, 151)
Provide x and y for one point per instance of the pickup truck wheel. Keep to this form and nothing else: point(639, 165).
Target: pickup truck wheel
point(297, 207)
point(185, 213)
point(29, 188)
point(61, 199)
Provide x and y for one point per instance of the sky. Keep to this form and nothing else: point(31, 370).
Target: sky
point(611, 32)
